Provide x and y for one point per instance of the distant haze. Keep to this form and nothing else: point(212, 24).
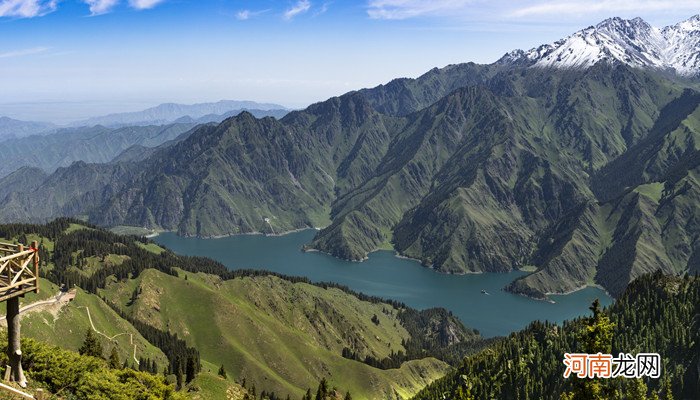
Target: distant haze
point(168, 112)
point(93, 113)
point(63, 113)
point(67, 61)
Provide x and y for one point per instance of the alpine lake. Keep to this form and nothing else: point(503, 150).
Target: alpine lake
point(477, 299)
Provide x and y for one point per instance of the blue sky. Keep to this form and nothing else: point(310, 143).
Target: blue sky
point(69, 59)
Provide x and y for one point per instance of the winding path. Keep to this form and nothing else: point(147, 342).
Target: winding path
point(131, 335)
point(63, 298)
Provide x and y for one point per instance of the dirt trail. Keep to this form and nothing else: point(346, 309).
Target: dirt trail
point(52, 305)
point(111, 338)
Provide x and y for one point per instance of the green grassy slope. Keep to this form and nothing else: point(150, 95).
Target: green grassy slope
point(67, 327)
point(209, 385)
point(279, 335)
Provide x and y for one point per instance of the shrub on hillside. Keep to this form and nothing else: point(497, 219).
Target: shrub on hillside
point(72, 375)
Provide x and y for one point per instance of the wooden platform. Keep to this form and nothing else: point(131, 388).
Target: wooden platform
point(19, 270)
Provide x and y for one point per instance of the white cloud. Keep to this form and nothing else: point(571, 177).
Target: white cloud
point(243, 15)
point(23, 52)
point(26, 8)
point(300, 7)
point(37, 8)
point(144, 4)
point(98, 7)
point(496, 10)
point(603, 6)
point(323, 9)
point(404, 9)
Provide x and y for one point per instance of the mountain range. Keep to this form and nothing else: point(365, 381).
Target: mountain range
point(60, 147)
point(13, 128)
point(96, 144)
point(163, 114)
point(581, 164)
point(168, 113)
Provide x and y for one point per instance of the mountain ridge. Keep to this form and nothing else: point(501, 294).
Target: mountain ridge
point(170, 112)
point(14, 129)
point(634, 42)
point(97, 144)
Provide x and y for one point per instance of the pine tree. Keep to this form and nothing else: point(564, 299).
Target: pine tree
point(91, 346)
point(114, 362)
point(191, 370)
point(637, 390)
point(348, 396)
point(222, 371)
point(667, 391)
point(178, 375)
point(596, 337)
point(322, 390)
point(598, 334)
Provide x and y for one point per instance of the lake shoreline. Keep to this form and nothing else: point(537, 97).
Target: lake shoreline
point(396, 254)
point(388, 275)
point(253, 233)
point(582, 287)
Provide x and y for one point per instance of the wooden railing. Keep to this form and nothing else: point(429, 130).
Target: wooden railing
point(15, 393)
point(19, 270)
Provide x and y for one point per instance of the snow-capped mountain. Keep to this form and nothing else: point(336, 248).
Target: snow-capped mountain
point(633, 42)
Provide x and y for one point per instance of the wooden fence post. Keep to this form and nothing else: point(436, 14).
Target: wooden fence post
point(14, 352)
point(35, 246)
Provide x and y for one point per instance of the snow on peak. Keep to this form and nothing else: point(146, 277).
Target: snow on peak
point(633, 42)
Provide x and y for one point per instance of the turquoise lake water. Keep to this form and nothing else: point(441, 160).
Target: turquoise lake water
point(387, 276)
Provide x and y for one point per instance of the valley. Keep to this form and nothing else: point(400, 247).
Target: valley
point(283, 334)
point(497, 314)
